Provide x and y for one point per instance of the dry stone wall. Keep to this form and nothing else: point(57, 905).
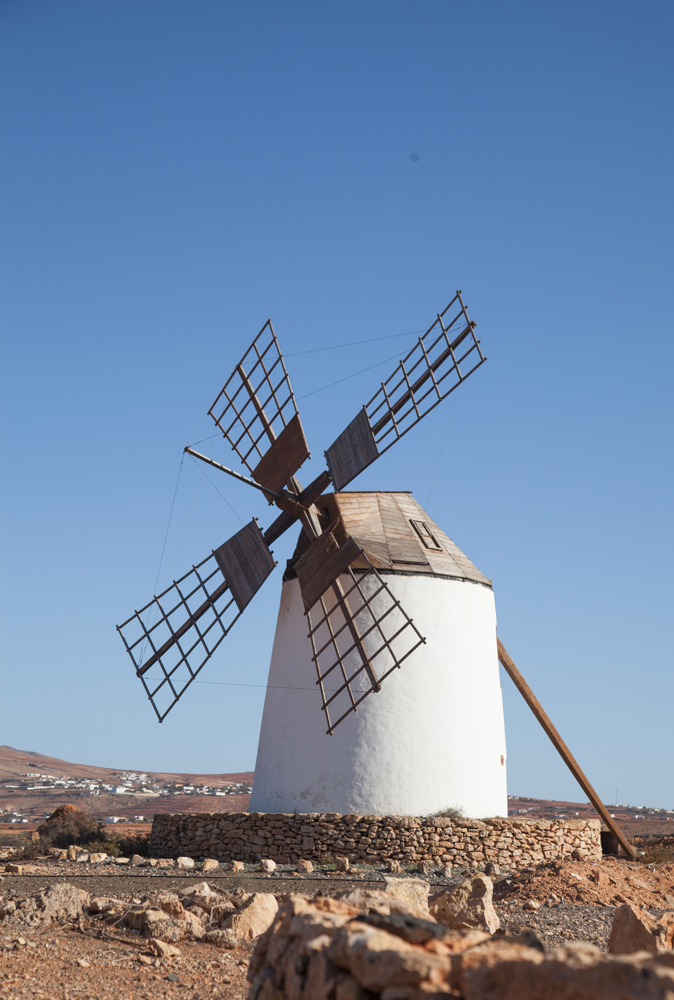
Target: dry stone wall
point(287, 837)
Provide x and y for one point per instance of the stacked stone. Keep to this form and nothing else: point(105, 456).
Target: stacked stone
point(287, 837)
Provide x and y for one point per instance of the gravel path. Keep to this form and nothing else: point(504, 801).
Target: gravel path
point(139, 884)
point(556, 925)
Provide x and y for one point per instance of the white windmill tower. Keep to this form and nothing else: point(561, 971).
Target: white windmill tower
point(434, 735)
point(377, 601)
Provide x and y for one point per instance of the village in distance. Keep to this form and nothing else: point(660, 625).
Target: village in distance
point(33, 785)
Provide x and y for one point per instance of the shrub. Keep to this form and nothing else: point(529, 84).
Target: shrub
point(106, 846)
point(70, 825)
point(453, 812)
point(135, 843)
point(33, 849)
point(659, 852)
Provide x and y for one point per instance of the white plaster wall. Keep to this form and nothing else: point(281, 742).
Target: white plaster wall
point(433, 736)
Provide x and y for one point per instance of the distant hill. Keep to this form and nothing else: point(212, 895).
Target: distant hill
point(22, 770)
point(16, 763)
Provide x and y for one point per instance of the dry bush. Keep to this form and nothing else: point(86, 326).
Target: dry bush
point(117, 846)
point(105, 846)
point(8, 839)
point(134, 843)
point(658, 854)
point(452, 812)
point(33, 849)
point(70, 825)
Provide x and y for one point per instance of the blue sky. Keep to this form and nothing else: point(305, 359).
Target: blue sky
point(173, 174)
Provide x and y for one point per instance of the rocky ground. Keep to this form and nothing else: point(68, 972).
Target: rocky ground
point(69, 962)
point(103, 946)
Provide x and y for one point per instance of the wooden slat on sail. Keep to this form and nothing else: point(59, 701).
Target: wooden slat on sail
point(245, 562)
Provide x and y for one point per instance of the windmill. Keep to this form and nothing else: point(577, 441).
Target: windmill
point(374, 588)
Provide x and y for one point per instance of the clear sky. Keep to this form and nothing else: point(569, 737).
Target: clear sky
point(175, 173)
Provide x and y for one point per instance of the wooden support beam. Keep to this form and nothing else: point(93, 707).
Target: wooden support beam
point(561, 747)
point(185, 627)
point(447, 353)
point(256, 402)
point(231, 472)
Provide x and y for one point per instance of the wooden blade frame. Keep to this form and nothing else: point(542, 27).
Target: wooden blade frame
point(359, 635)
point(561, 747)
point(257, 413)
point(182, 627)
point(441, 360)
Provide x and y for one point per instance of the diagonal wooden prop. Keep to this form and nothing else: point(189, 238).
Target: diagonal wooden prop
point(561, 747)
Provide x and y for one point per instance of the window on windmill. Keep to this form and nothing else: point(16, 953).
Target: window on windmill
point(426, 535)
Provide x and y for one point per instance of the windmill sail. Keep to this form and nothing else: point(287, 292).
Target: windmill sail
point(257, 413)
point(440, 361)
point(180, 629)
point(245, 561)
point(359, 632)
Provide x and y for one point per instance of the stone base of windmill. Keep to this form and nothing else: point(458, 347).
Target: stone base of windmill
point(437, 840)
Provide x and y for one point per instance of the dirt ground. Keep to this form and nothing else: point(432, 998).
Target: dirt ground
point(608, 882)
point(73, 962)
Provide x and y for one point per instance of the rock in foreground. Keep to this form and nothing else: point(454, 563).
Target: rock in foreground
point(325, 949)
point(634, 930)
point(469, 904)
point(61, 902)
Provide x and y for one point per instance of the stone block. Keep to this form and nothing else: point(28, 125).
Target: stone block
point(635, 930)
point(469, 904)
point(411, 891)
point(254, 917)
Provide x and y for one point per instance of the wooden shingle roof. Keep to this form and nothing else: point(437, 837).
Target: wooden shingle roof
point(396, 533)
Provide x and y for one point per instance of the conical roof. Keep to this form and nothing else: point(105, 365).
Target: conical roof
point(396, 533)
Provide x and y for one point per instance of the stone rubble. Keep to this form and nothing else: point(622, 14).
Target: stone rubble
point(607, 881)
point(192, 913)
point(60, 902)
point(343, 949)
